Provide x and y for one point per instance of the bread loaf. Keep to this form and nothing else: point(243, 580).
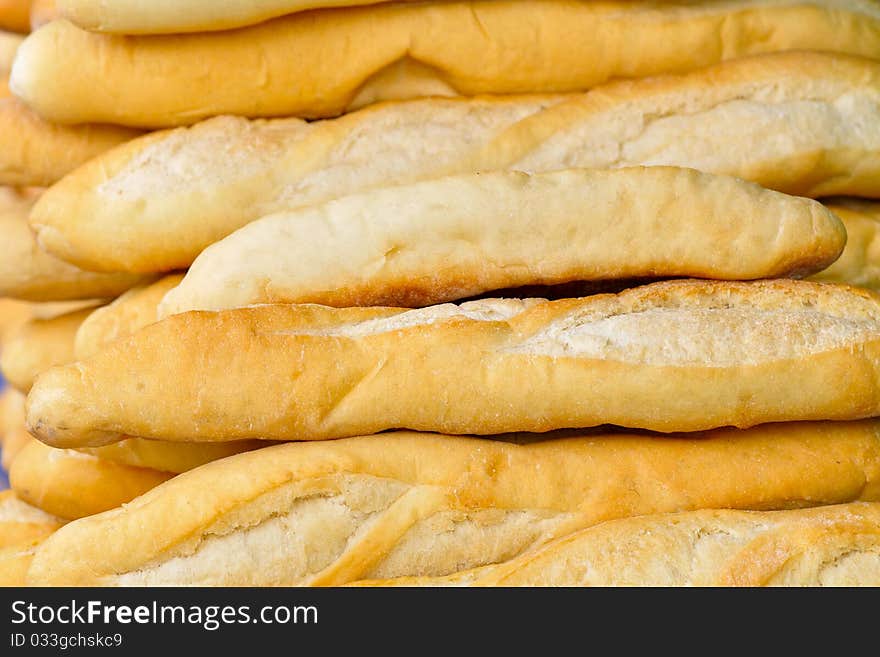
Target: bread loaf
point(176, 16)
point(38, 345)
point(463, 236)
point(15, 15)
point(805, 124)
point(406, 504)
point(859, 264)
point(27, 272)
point(827, 546)
point(34, 152)
point(71, 485)
point(674, 356)
point(324, 63)
point(132, 311)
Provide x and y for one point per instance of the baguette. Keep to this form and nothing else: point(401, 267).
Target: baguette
point(132, 311)
point(801, 123)
point(672, 356)
point(34, 152)
point(72, 485)
point(463, 236)
point(859, 264)
point(27, 272)
point(15, 15)
point(325, 63)
point(406, 504)
point(826, 546)
point(177, 17)
point(38, 345)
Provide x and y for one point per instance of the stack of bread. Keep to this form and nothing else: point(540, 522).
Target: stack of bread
point(499, 292)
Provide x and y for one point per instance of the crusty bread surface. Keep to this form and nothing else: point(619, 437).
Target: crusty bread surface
point(801, 123)
point(27, 272)
point(675, 356)
point(325, 63)
point(406, 504)
point(38, 345)
point(467, 235)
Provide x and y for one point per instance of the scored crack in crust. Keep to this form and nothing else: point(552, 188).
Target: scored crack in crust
point(826, 546)
point(312, 372)
point(800, 123)
point(406, 504)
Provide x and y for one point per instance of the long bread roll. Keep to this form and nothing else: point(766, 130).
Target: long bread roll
point(70, 485)
point(34, 152)
point(27, 272)
point(463, 236)
point(673, 356)
point(38, 345)
point(180, 16)
point(406, 504)
point(324, 63)
point(827, 546)
point(801, 123)
point(120, 318)
point(859, 264)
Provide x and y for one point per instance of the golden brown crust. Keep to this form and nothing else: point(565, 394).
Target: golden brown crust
point(169, 457)
point(176, 17)
point(403, 504)
point(674, 356)
point(132, 311)
point(34, 152)
point(407, 50)
point(859, 264)
point(38, 345)
point(27, 272)
point(22, 528)
point(467, 235)
point(73, 485)
point(801, 123)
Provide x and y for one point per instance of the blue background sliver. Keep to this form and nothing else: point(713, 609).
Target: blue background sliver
point(4, 479)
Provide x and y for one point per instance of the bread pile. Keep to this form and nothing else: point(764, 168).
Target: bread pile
point(498, 292)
